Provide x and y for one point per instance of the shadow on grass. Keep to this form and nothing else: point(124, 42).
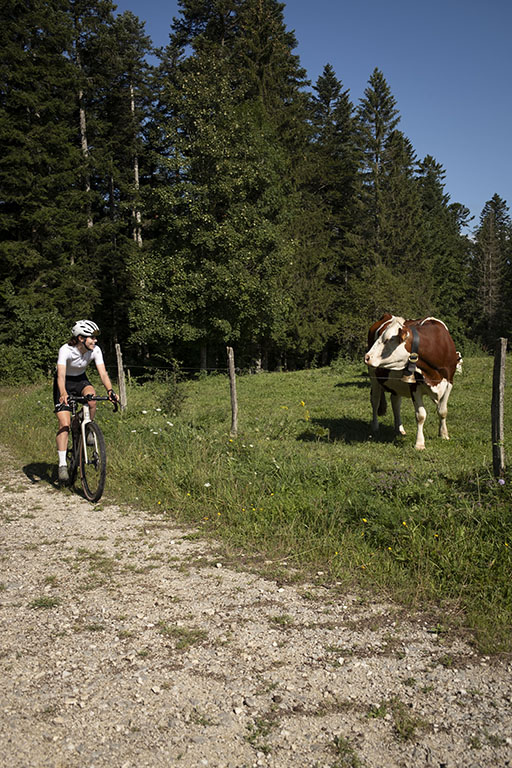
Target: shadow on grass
point(365, 384)
point(346, 431)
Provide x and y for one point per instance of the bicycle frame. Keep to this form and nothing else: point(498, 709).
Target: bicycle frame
point(85, 418)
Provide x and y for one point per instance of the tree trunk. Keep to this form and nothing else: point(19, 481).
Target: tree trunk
point(137, 227)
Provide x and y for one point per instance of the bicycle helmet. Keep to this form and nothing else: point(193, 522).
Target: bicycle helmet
point(84, 328)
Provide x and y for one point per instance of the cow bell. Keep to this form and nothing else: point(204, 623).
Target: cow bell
point(409, 375)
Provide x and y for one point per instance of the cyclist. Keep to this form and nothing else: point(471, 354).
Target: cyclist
point(71, 379)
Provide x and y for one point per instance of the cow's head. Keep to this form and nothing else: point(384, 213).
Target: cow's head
point(389, 350)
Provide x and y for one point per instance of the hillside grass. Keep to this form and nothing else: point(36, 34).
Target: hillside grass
point(306, 488)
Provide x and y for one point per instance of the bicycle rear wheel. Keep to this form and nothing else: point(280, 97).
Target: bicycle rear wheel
point(93, 462)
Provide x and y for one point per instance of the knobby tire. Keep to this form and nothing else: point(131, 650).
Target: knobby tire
point(94, 472)
point(73, 457)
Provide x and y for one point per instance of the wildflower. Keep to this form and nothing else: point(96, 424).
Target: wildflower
point(389, 549)
point(144, 412)
point(404, 523)
point(207, 485)
point(134, 430)
point(365, 520)
point(284, 407)
point(158, 409)
point(501, 481)
point(303, 403)
point(170, 423)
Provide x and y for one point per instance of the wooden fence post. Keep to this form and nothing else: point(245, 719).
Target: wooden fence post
point(498, 396)
point(232, 383)
point(120, 378)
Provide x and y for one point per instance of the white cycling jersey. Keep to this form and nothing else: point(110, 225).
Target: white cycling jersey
point(75, 361)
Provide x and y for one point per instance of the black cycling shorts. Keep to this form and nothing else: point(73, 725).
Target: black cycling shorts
point(75, 385)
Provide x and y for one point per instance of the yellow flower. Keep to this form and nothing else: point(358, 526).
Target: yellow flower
point(365, 520)
point(303, 403)
point(404, 523)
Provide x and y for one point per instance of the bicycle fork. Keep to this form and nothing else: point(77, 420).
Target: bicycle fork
point(86, 419)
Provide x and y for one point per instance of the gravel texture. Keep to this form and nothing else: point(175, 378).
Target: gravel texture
point(127, 642)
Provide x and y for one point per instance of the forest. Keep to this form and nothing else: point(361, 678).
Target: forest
point(207, 194)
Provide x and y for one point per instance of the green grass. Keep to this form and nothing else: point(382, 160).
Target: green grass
point(306, 482)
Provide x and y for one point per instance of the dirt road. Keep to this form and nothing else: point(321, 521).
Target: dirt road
point(127, 642)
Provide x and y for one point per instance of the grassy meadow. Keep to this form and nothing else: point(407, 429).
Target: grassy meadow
point(306, 490)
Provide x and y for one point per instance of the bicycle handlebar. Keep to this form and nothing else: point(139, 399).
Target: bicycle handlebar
point(84, 399)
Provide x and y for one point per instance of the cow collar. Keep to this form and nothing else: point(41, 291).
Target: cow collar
point(413, 357)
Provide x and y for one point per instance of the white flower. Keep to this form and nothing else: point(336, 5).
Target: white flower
point(143, 411)
point(158, 409)
point(134, 430)
point(170, 423)
point(207, 485)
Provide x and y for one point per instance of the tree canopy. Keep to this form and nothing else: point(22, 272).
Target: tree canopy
point(217, 196)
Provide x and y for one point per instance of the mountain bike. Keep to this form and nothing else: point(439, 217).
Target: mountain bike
point(87, 452)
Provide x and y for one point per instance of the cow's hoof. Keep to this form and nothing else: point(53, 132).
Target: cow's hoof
point(420, 447)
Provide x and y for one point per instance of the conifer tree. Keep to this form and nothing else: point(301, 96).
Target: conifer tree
point(377, 119)
point(491, 270)
point(222, 217)
point(39, 174)
point(334, 163)
point(445, 244)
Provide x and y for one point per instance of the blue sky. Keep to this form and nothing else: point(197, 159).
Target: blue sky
point(448, 64)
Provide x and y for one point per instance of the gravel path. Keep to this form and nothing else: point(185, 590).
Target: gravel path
point(127, 642)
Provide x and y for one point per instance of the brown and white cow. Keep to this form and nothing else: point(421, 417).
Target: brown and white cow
point(411, 358)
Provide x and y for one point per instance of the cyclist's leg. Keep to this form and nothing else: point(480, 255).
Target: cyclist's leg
point(89, 390)
point(64, 418)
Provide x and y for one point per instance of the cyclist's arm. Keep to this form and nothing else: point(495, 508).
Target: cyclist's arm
point(61, 383)
point(105, 379)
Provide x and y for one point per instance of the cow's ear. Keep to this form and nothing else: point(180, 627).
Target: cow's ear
point(403, 333)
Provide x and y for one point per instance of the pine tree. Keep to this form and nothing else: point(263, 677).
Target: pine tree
point(445, 244)
point(39, 174)
point(377, 119)
point(334, 162)
point(491, 269)
point(122, 162)
point(221, 217)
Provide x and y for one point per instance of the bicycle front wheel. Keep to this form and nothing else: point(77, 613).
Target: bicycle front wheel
point(93, 462)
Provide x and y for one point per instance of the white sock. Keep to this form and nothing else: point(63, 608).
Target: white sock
point(62, 458)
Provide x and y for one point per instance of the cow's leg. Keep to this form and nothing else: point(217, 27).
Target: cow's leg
point(378, 401)
point(396, 401)
point(421, 415)
point(442, 410)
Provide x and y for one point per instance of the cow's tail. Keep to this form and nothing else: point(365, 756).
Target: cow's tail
point(383, 405)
